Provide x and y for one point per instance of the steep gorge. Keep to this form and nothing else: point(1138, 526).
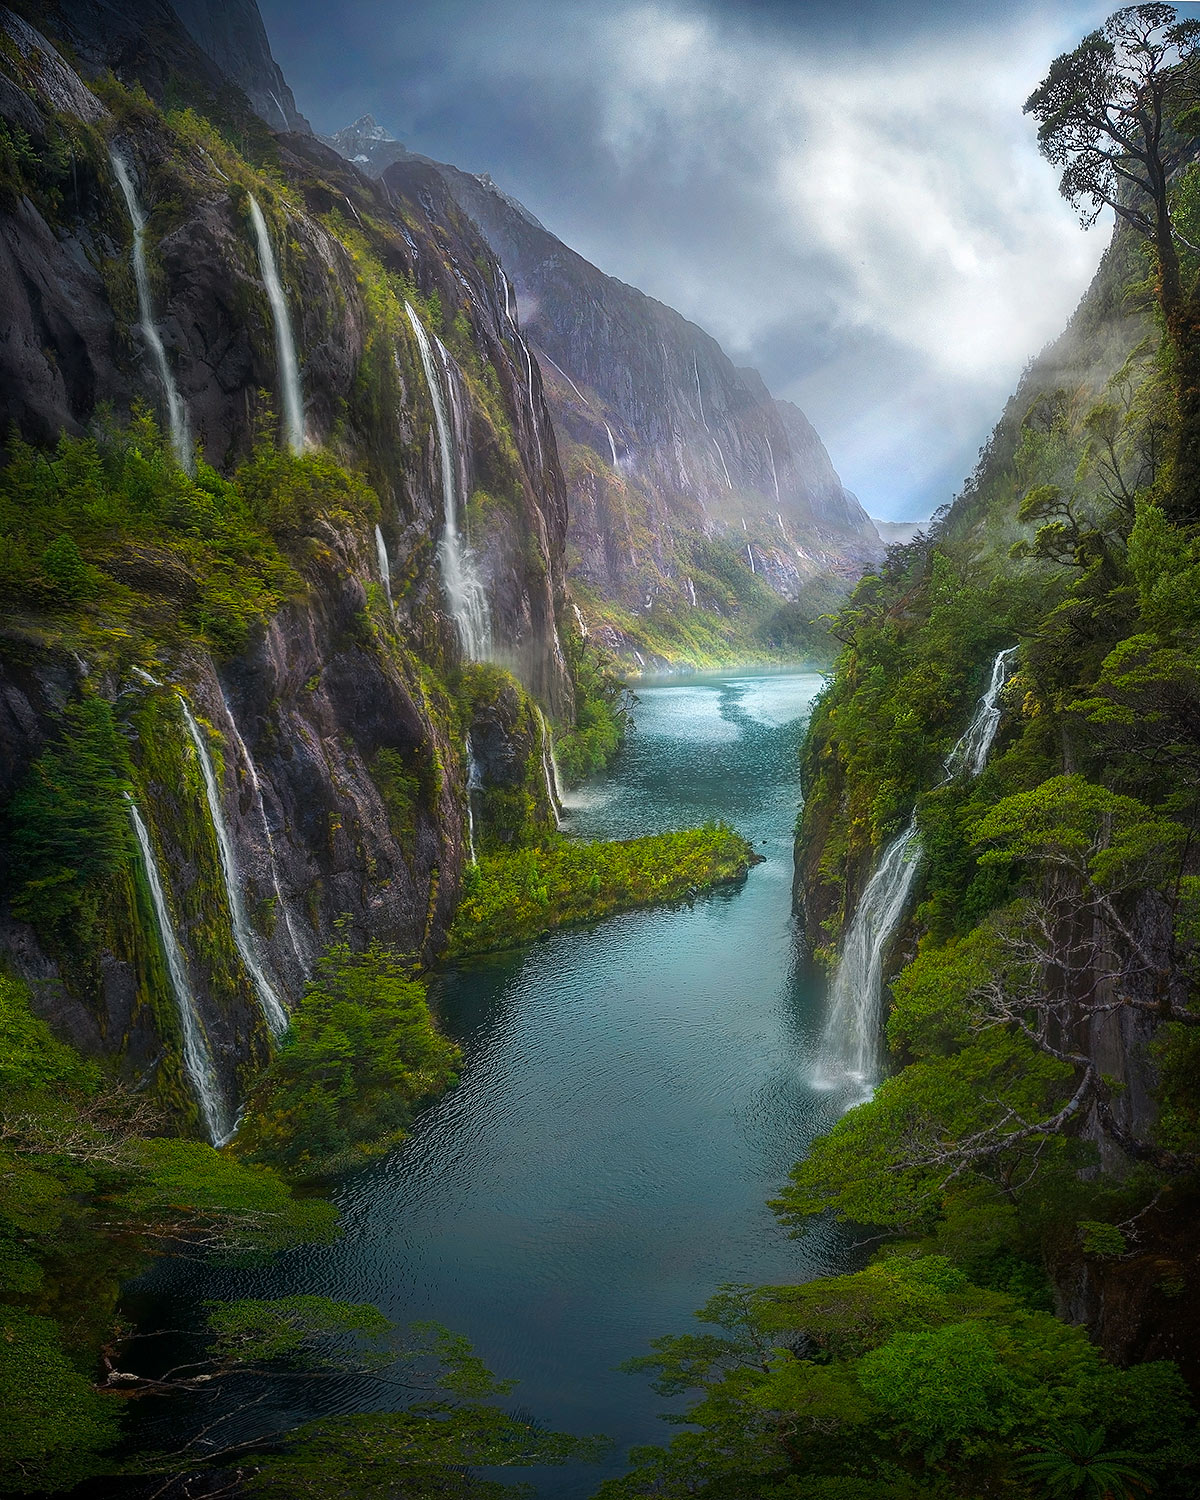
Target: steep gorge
point(706, 519)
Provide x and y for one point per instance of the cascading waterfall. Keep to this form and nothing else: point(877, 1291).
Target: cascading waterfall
point(464, 589)
point(197, 1057)
point(474, 784)
point(612, 447)
point(272, 1006)
point(177, 418)
point(256, 787)
point(549, 769)
point(750, 558)
point(854, 1031)
point(385, 568)
point(971, 752)
point(285, 344)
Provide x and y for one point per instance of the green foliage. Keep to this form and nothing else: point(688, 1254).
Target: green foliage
point(68, 825)
point(510, 898)
point(112, 524)
point(902, 1379)
point(602, 711)
point(87, 1199)
point(56, 1425)
point(360, 1056)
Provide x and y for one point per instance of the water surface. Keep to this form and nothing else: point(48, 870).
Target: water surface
point(632, 1094)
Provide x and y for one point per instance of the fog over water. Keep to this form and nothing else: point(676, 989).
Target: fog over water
point(848, 197)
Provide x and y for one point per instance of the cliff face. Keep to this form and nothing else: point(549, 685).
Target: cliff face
point(694, 495)
point(334, 736)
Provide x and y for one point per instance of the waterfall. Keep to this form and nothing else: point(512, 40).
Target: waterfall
point(971, 752)
point(285, 344)
point(537, 432)
point(197, 1058)
point(549, 769)
point(256, 787)
point(464, 589)
point(774, 473)
point(704, 422)
point(750, 558)
point(853, 1033)
point(612, 447)
point(181, 439)
point(692, 592)
point(474, 784)
point(385, 569)
point(272, 1005)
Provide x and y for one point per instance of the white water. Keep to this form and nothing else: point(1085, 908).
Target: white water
point(537, 431)
point(385, 568)
point(971, 752)
point(464, 589)
point(272, 1006)
point(704, 421)
point(177, 418)
point(612, 447)
point(474, 784)
point(285, 344)
point(774, 474)
point(750, 558)
point(550, 769)
point(197, 1058)
point(281, 905)
point(853, 1043)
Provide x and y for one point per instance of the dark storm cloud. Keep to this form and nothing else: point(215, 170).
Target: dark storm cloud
point(847, 196)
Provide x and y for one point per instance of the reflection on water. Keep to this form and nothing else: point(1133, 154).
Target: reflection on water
point(632, 1095)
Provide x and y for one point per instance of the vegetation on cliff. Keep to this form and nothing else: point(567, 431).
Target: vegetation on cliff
point(1036, 1147)
point(360, 1056)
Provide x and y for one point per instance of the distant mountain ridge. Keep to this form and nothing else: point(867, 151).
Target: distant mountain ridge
point(690, 487)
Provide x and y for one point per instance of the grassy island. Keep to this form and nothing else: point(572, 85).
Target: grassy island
point(509, 899)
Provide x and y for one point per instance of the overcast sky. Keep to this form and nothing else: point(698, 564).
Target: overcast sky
point(846, 195)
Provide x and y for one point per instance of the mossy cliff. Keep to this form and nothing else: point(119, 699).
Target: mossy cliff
point(294, 603)
point(1040, 1123)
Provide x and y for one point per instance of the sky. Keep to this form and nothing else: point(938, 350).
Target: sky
point(846, 195)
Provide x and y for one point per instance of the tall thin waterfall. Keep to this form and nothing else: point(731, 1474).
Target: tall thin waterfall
point(197, 1057)
point(385, 568)
point(464, 589)
point(704, 420)
point(853, 1045)
point(537, 431)
point(549, 769)
point(285, 344)
point(971, 752)
point(256, 786)
point(268, 996)
point(474, 784)
point(177, 418)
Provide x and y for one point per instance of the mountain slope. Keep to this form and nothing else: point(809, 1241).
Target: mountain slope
point(698, 504)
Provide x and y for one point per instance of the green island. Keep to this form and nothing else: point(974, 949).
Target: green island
point(511, 899)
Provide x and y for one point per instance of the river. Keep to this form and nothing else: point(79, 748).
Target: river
point(632, 1094)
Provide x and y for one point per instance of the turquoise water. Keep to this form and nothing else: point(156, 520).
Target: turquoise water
point(632, 1095)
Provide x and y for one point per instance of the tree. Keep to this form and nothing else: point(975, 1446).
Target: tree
point(1102, 114)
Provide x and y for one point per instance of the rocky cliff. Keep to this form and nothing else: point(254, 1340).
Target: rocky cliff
point(330, 360)
point(698, 503)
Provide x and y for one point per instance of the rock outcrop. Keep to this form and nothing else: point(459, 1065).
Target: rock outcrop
point(335, 735)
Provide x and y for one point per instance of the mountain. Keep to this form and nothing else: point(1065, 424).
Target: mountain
point(700, 507)
point(269, 660)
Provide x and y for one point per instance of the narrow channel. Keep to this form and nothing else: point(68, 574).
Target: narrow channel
point(632, 1094)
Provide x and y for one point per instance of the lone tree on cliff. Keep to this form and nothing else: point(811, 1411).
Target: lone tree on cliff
point(1103, 114)
point(1106, 115)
